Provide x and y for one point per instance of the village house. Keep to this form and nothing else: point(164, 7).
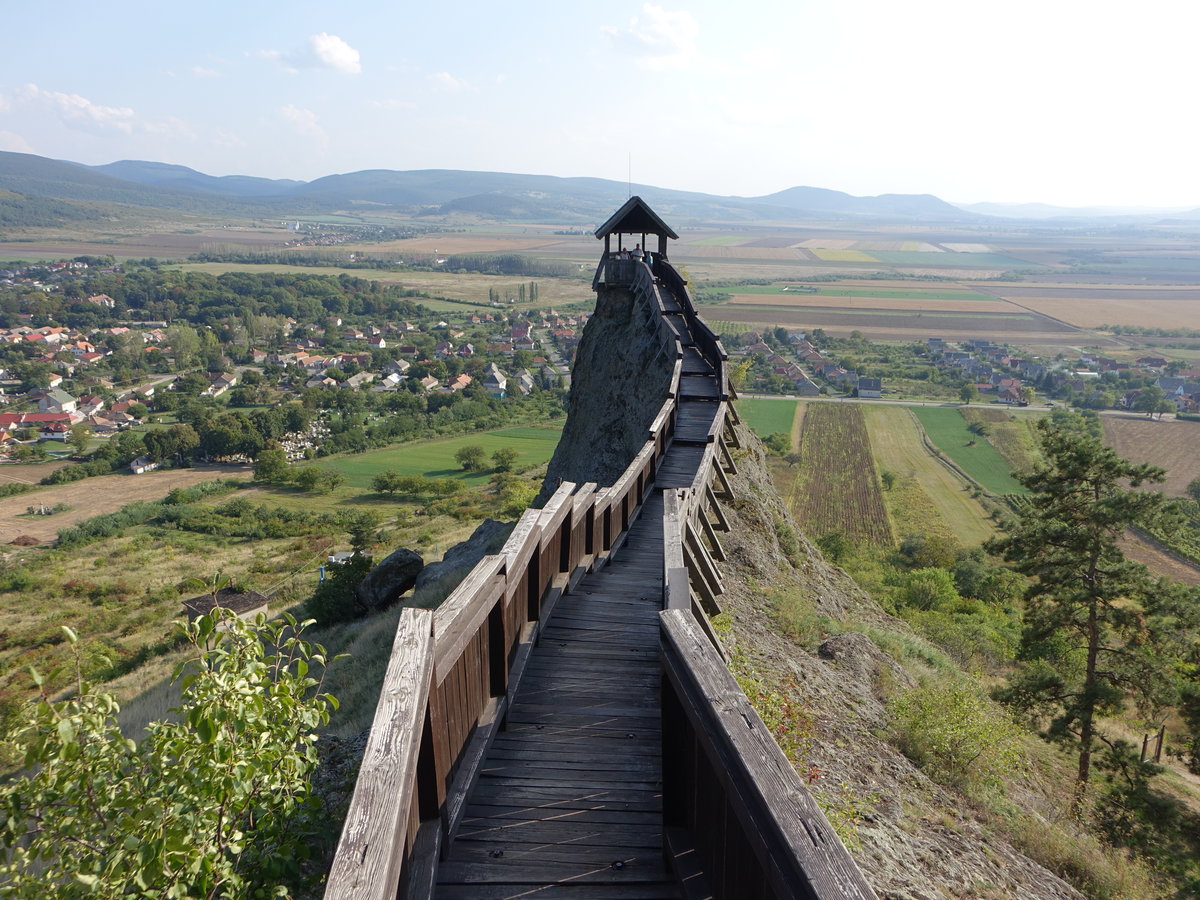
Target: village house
point(56, 401)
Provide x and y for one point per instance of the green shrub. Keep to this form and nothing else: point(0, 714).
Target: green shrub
point(956, 735)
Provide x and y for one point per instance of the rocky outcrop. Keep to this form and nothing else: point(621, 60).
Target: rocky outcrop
point(438, 579)
point(387, 581)
point(918, 841)
point(618, 384)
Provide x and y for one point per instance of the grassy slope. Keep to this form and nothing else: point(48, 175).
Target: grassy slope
point(926, 498)
point(973, 454)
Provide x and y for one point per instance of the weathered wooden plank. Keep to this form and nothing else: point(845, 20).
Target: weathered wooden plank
point(557, 508)
point(796, 847)
point(368, 860)
point(422, 871)
point(462, 614)
point(521, 544)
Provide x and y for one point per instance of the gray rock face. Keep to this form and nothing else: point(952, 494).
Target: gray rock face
point(619, 382)
point(438, 579)
point(387, 581)
point(857, 654)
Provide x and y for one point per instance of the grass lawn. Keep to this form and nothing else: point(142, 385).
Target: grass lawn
point(926, 498)
point(972, 453)
point(768, 416)
point(435, 458)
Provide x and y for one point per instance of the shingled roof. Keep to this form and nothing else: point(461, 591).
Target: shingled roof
point(635, 217)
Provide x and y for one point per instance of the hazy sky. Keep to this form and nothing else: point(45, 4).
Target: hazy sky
point(1057, 101)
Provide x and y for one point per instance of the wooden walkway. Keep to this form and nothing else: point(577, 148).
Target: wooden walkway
point(568, 803)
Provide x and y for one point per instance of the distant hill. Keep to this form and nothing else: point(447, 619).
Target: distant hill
point(819, 201)
point(181, 178)
point(440, 192)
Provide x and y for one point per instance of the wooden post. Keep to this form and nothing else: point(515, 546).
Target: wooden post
point(1162, 732)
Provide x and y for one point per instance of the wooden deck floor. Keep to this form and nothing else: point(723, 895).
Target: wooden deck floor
point(569, 801)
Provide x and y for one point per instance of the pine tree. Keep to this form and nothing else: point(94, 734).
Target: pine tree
point(1090, 635)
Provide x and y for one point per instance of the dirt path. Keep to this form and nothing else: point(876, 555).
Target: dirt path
point(93, 496)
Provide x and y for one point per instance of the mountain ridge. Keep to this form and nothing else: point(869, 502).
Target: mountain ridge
point(434, 192)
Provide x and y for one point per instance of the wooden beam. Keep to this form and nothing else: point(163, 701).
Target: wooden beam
point(730, 465)
point(718, 551)
point(711, 497)
point(371, 849)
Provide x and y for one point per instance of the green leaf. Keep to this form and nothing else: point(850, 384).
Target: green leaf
point(66, 731)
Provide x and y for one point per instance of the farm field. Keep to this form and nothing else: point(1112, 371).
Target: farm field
point(458, 286)
point(1158, 562)
point(94, 496)
point(836, 487)
point(962, 302)
point(435, 458)
point(890, 290)
point(1013, 434)
point(1173, 444)
point(912, 324)
point(947, 429)
point(767, 416)
point(927, 498)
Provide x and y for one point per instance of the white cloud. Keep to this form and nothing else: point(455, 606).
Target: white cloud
point(334, 53)
point(305, 123)
point(324, 51)
point(201, 72)
point(77, 112)
point(660, 39)
point(13, 143)
point(447, 82)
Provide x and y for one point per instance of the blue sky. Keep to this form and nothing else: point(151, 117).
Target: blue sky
point(1055, 101)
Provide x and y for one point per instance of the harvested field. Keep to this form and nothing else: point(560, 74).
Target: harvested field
point(1095, 312)
point(464, 243)
point(93, 496)
point(904, 304)
point(837, 487)
point(29, 473)
point(1170, 443)
point(1159, 563)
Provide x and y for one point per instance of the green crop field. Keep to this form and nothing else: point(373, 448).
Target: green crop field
point(435, 458)
point(970, 452)
point(768, 416)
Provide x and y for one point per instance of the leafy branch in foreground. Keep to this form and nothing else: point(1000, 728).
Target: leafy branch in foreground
point(215, 804)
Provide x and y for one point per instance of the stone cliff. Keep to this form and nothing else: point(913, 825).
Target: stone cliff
point(618, 383)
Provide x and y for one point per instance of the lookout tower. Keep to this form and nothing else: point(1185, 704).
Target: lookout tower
point(635, 217)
